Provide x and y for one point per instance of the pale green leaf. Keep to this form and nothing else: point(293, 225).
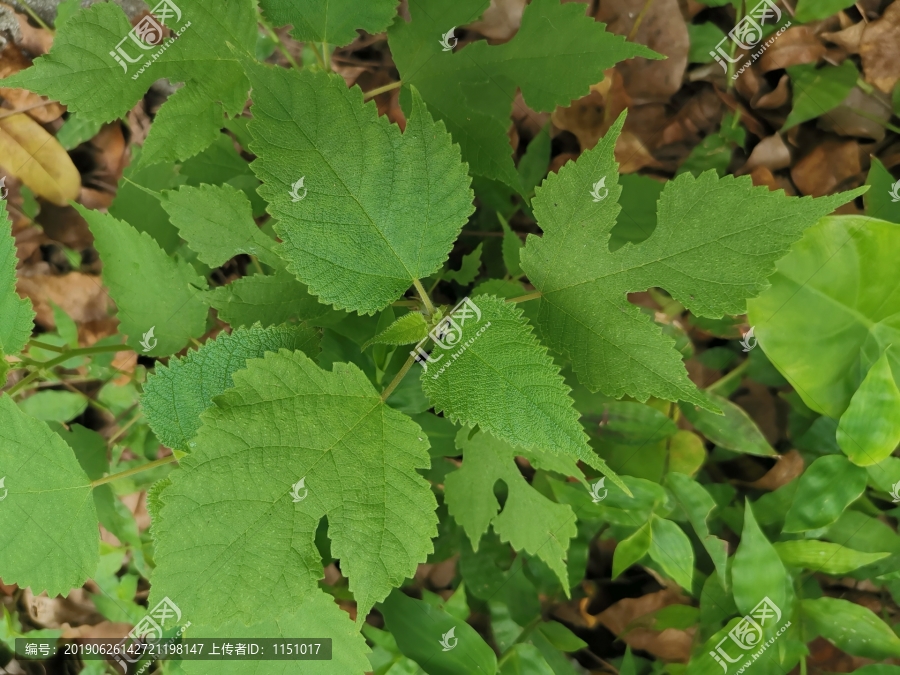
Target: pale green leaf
point(407, 330)
point(818, 90)
point(331, 21)
point(472, 89)
point(54, 406)
point(869, 430)
point(851, 627)
point(230, 507)
point(176, 394)
point(49, 539)
point(217, 223)
point(756, 571)
point(151, 290)
point(827, 487)
point(468, 269)
point(822, 556)
point(318, 616)
point(497, 375)
point(363, 230)
point(715, 243)
point(529, 521)
point(16, 315)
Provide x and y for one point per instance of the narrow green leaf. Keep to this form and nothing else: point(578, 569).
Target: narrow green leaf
point(734, 430)
point(818, 90)
point(757, 572)
point(851, 627)
point(16, 315)
point(153, 292)
point(629, 551)
point(821, 556)
point(176, 394)
point(49, 539)
point(698, 505)
point(54, 406)
point(869, 430)
point(534, 163)
point(826, 489)
point(671, 549)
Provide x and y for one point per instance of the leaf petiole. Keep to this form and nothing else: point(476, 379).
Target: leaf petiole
point(135, 470)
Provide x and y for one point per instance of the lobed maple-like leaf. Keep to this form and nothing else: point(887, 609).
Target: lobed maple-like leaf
point(376, 209)
point(49, 539)
point(332, 21)
point(176, 394)
point(472, 89)
point(289, 444)
point(529, 520)
point(16, 314)
point(151, 290)
point(716, 242)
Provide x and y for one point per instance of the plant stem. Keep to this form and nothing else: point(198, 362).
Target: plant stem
point(737, 372)
point(116, 436)
point(319, 58)
point(24, 382)
point(256, 265)
point(38, 20)
point(398, 377)
point(47, 346)
point(19, 111)
point(380, 90)
point(278, 43)
point(429, 308)
point(131, 472)
point(62, 358)
point(638, 20)
point(526, 298)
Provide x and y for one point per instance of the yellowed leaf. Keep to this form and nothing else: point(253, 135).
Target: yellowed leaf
point(37, 159)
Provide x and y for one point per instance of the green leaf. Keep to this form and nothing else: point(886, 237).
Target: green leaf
point(716, 241)
point(76, 131)
point(468, 269)
point(628, 423)
point(869, 430)
point(687, 454)
point(318, 616)
point(269, 300)
point(629, 551)
point(698, 505)
point(408, 329)
point(534, 165)
point(497, 375)
point(529, 520)
point(331, 21)
point(54, 406)
point(851, 627)
point(814, 10)
point(284, 421)
point(637, 219)
point(705, 37)
point(217, 223)
point(176, 394)
point(818, 90)
point(151, 290)
point(734, 430)
point(880, 202)
point(16, 315)
point(821, 556)
point(671, 549)
point(825, 490)
point(97, 71)
point(561, 637)
point(756, 571)
point(419, 629)
point(511, 248)
point(472, 90)
point(524, 659)
point(364, 230)
point(836, 289)
point(49, 539)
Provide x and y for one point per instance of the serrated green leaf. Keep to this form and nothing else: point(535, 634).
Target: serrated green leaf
point(851, 627)
point(177, 393)
point(827, 487)
point(756, 571)
point(408, 329)
point(869, 430)
point(217, 223)
point(818, 90)
point(529, 521)
point(49, 539)
point(364, 231)
point(698, 505)
point(318, 616)
point(16, 315)
point(151, 290)
point(733, 430)
point(716, 241)
point(497, 375)
point(468, 269)
point(269, 300)
point(331, 21)
point(284, 421)
point(97, 71)
point(472, 90)
point(822, 556)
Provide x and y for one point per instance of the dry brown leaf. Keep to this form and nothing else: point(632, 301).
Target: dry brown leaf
point(80, 295)
point(844, 121)
point(798, 44)
point(36, 158)
point(847, 39)
point(828, 165)
point(776, 98)
point(31, 38)
point(880, 49)
point(590, 117)
point(501, 20)
point(12, 61)
point(771, 153)
point(786, 469)
point(762, 176)
point(76, 608)
point(664, 30)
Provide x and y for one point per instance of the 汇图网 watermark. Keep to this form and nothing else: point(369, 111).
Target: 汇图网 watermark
point(748, 634)
point(151, 625)
point(148, 34)
point(448, 334)
point(748, 33)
